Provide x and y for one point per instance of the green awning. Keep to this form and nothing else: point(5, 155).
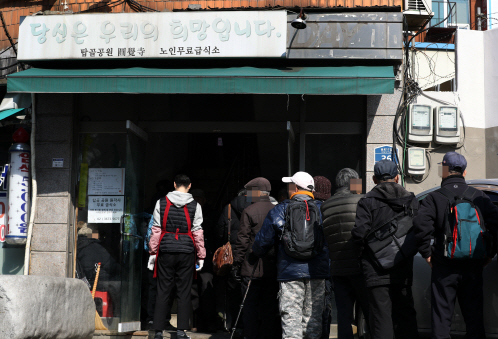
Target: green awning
point(9, 112)
point(243, 80)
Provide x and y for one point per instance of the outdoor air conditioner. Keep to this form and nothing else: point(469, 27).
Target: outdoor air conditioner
point(421, 6)
point(460, 26)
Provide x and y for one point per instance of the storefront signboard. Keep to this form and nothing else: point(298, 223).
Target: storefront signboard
point(106, 181)
point(105, 209)
point(385, 152)
point(154, 35)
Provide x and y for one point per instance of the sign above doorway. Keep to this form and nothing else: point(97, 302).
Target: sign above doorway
point(154, 35)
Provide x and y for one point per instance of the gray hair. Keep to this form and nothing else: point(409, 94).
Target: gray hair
point(344, 176)
point(265, 193)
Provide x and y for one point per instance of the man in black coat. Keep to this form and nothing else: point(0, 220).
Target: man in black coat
point(391, 309)
point(339, 213)
point(452, 278)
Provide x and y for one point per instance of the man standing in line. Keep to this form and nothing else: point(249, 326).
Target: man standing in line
point(295, 225)
point(391, 309)
point(261, 304)
point(339, 214)
point(443, 215)
point(177, 240)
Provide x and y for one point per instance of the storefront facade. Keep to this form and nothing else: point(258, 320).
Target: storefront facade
point(109, 130)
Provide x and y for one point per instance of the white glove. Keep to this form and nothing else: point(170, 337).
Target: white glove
point(200, 263)
point(150, 264)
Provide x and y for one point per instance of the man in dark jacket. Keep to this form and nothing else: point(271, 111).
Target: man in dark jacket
point(391, 310)
point(261, 304)
point(338, 221)
point(452, 278)
point(302, 282)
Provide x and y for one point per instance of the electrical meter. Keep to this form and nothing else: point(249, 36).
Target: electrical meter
point(420, 123)
point(416, 161)
point(447, 124)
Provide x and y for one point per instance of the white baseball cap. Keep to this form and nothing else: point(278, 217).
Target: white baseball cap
point(301, 179)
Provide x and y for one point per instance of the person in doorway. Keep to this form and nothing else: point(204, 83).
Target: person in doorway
point(452, 278)
point(323, 189)
point(339, 213)
point(177, 240)
point(391, 309)
point(295, 226)
point(205, 304)
point(228, 288)
point(90, 253)
point(261, 303)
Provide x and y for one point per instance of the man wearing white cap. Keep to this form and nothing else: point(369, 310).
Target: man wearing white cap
point(295, 225)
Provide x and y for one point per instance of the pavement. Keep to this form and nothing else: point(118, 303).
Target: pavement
point(172, 335)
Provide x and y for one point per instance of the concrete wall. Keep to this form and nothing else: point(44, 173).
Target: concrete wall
point(53, 222)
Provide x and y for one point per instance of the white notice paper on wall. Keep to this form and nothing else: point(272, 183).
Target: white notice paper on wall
point(105, 209)
point(106, 181)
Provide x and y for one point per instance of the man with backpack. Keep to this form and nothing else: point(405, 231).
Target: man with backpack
point(463, 221)
point(383, 224)
point(295, 226)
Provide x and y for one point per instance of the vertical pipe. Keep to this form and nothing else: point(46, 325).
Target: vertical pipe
point(302, 134)
point(478, 17)
point(34, 191)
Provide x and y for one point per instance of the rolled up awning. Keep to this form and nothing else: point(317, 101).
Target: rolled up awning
point(236, 80)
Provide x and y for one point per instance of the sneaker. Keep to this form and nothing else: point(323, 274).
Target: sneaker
point(159, 335)
point(150, 325)
point(181, 335)
point(170, 327)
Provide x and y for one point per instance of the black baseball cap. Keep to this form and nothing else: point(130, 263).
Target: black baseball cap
point(385, 169)
point(455, 161)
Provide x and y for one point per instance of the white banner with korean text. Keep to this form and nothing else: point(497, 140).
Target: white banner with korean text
point(154, 35)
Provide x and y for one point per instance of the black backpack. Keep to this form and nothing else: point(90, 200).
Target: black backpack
point(302, 233)
point(393, 241)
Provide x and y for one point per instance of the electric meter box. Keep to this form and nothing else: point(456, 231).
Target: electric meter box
point(447, 125)
point(416, 161)
point(420, 123)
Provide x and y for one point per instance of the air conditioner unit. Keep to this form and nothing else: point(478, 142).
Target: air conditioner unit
point(459, 26)
point(421, 6)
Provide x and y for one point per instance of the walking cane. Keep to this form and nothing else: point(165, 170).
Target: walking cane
point(244, 299)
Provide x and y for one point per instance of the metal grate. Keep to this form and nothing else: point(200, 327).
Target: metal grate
point(416, 5)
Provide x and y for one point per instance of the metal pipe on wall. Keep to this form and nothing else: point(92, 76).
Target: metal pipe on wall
point(34, 192)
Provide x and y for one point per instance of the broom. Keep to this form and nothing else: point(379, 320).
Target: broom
point(99, 325)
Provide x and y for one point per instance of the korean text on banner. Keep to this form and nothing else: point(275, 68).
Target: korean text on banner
point(154, 35)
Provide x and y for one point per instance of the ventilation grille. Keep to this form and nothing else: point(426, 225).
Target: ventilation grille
point(416, 5)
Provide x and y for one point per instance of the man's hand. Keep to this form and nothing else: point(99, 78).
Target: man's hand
point(428, 259)
point(150, 264)
point(235, 273)
point(200, 264)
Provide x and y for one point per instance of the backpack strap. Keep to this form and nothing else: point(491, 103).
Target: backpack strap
point(469, 193)
point(449, 195)
point(166, 212)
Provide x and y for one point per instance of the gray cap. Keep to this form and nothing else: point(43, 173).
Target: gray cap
point(259, 183)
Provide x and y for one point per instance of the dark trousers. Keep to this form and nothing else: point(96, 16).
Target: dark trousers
point(174, 269)
point(151, 302)
point(260, 315)
point(448, 284)
point(391, 312)
point(347, 291)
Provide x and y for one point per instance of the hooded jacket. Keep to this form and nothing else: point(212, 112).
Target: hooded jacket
point(238, 205)
point(379, 205)
point(339, 213)
point(430, 219)
point(288, 268)
point(179, 200)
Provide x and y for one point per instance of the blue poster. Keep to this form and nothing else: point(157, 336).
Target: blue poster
point(385, 152)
